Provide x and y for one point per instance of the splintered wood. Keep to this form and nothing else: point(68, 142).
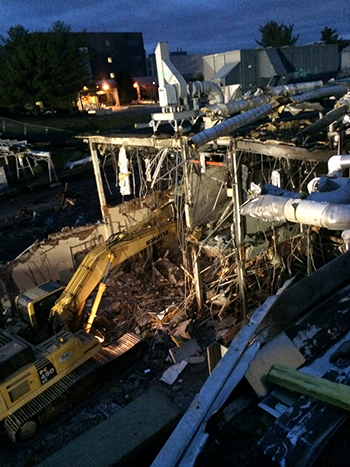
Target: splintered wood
point(139, 294)
point(148, 296)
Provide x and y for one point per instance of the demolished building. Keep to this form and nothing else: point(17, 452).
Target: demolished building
point(238, 190)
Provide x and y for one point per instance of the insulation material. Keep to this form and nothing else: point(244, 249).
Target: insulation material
point(124, 173)
point(208, 193)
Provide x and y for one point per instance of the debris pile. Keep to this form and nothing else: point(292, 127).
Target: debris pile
point(289, 130)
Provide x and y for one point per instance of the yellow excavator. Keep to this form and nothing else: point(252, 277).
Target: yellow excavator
point(51, 349)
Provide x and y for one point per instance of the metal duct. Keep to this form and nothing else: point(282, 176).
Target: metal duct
point(327, 91)
point(272, 208)
point(167, 72)
point(215, 95)
point(295, 88)
point(230, 124)
point(234, 107)
point(338, 163)
point(328, 119)
point(343, 80)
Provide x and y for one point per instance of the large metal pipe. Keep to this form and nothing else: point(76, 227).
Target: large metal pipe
point(338, 163)
point(213, 91)
point(295, 88)
point(272, 208)
point(330, 117)
point(326, 91)
point(230, 124)
point(234, 107)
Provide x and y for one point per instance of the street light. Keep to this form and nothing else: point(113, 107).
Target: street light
point(137, 87)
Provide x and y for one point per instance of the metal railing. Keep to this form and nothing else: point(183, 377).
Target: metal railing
point(34, 133)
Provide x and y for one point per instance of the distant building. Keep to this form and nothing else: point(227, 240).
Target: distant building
point(109, 54)
point(189, 66)
point(255, 68)
point(345, 61)
point(112, 52)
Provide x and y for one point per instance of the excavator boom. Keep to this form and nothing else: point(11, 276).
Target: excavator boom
point(98, 262)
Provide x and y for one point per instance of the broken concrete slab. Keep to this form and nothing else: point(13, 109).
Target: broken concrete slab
point(171, 374)
point(120, 436)
point(186, 350)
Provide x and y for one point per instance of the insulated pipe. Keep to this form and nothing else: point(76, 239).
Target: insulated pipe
point(330, 117)
point(327, 91)
point(272, 208)
point(295, 88)
point(230, 124)
point(338, 163)
point(215, 95)
point(234, 107)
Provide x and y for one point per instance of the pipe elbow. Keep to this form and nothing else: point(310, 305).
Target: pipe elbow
point(337, 163)
point(213, 91)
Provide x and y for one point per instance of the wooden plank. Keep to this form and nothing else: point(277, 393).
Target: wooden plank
point(336, 394)
point(190, 432)
point(120, 436)
point(302, 341)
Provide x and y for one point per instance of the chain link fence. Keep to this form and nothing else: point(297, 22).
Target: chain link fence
point(13, 129)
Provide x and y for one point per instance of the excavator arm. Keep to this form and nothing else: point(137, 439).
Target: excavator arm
point(95, 268)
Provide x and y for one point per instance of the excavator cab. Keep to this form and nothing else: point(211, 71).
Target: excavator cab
point(34, 305)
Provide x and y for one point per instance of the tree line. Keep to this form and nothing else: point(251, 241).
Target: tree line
point(50, 67)
point(275, 34)
point(41, 67)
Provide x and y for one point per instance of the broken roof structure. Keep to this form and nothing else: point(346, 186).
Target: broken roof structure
point(260, 191)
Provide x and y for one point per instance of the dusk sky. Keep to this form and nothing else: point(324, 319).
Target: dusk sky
point(195, 26)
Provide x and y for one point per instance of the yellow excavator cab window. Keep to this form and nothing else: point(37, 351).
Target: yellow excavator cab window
point(34, 305)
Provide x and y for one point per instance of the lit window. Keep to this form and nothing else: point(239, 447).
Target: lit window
point(110, 60)
point(107, 42)
point(112, 75)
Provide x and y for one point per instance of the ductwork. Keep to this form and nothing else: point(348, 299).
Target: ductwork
point(226, 127)
point(234, 107)
point(272, 208)
point(211, 89)
point(338, 163)
point(168, 75)
point(326, 91)
point(297, 88)
point(330, 117)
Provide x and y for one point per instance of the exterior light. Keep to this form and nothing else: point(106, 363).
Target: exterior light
point(105, 86)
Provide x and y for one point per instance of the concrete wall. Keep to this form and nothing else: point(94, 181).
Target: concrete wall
point(57, 257)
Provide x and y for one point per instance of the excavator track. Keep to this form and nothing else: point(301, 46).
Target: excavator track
point(128, 348)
